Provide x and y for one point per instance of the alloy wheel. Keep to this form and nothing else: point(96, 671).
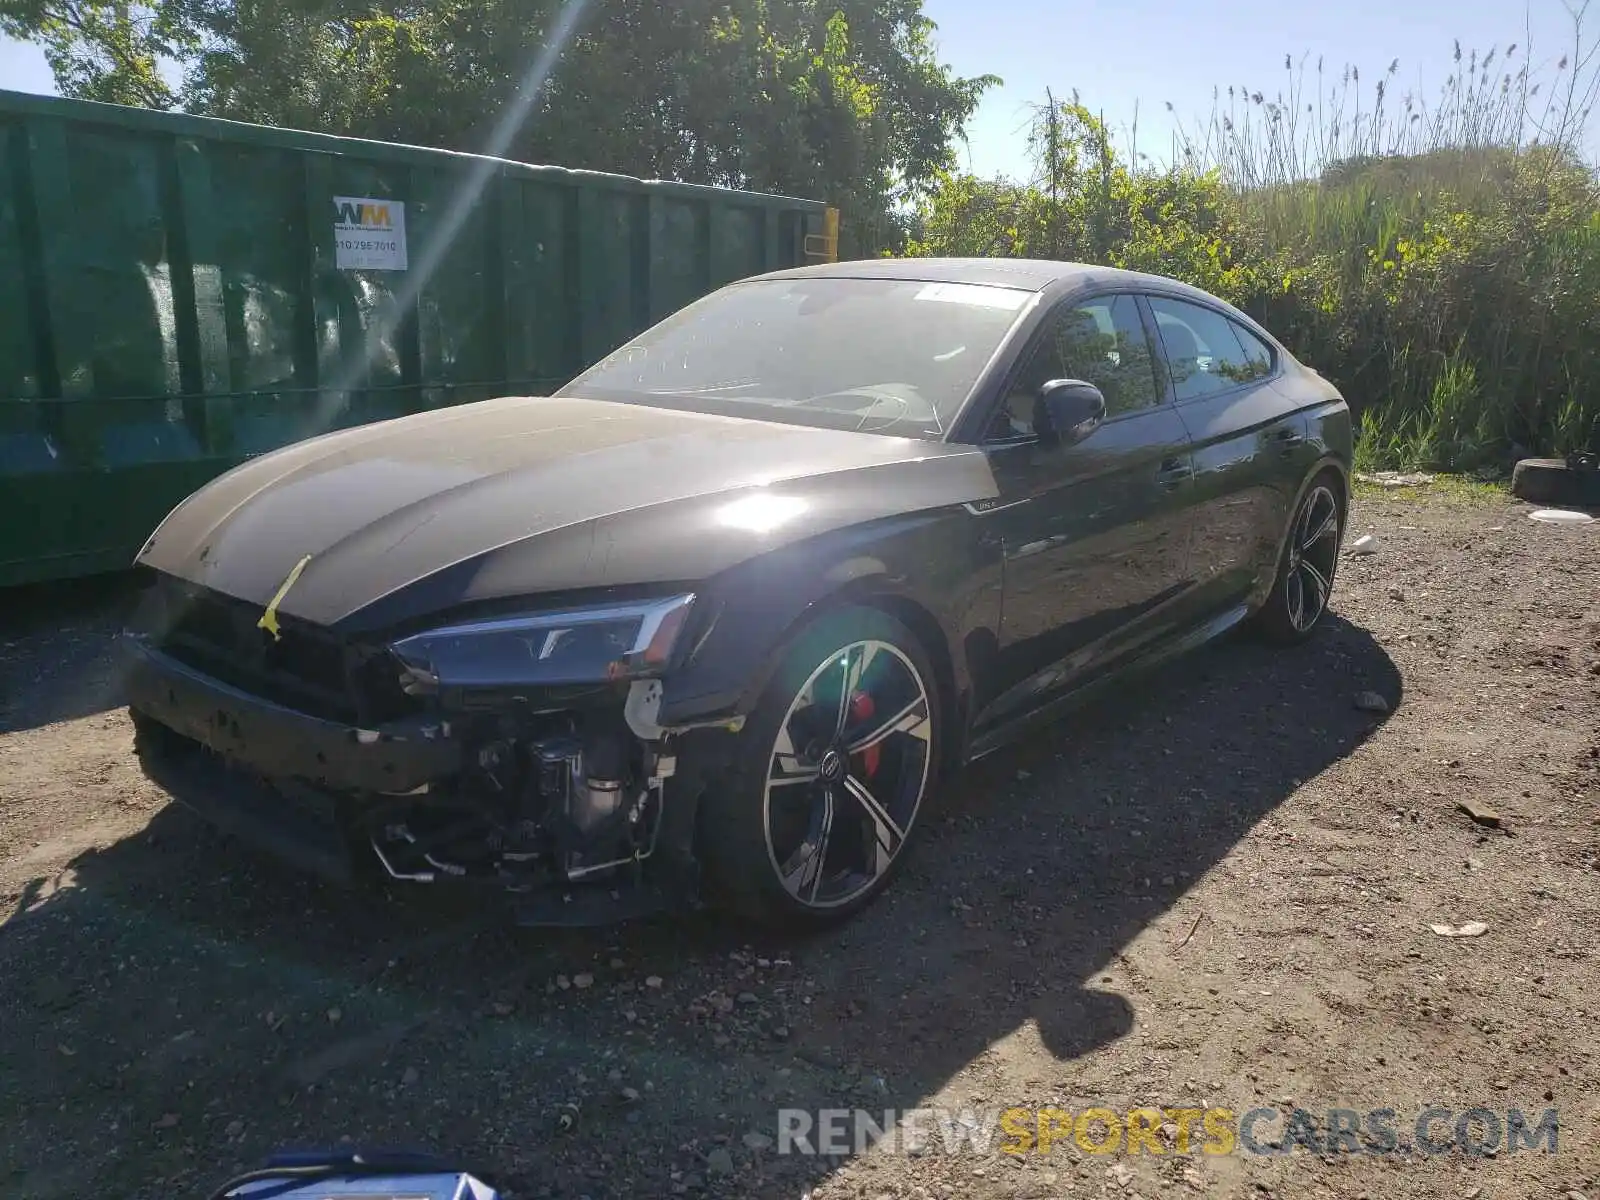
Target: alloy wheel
point(1313, 557)
point(848, 770)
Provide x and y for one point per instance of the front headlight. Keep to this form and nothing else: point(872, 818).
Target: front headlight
point(581, 645)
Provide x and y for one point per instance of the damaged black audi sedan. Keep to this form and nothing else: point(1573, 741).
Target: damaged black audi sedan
point(710, 622)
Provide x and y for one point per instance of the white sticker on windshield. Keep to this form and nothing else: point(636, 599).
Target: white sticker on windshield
point(979, 294)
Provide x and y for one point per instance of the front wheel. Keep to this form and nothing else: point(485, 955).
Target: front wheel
point(1304, 585)
point(829, 775)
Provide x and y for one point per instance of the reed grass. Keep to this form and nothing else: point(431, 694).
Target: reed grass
point(1438, 256)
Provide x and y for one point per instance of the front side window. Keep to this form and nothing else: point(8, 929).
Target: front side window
point(890, 356)
point(1205, 351)
point(1100, 341)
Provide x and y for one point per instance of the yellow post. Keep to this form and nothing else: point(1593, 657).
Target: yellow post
point(824, 247)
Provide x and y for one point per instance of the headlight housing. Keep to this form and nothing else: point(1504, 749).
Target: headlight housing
point(629, 640)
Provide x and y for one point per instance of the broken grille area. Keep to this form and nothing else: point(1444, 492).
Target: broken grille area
point(307, 668)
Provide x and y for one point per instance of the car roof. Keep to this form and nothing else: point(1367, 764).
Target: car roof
point(1028, 274)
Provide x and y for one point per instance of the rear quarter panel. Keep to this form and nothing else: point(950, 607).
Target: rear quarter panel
point(1329, 446)
point(1331, 430)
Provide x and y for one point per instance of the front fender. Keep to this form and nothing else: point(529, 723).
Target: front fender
point(930, 566)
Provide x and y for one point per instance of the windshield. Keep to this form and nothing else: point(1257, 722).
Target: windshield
point(891, 356)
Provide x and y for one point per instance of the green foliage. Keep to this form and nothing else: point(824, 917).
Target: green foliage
point(837, 99)
point(103, 49)
point(1440, 262)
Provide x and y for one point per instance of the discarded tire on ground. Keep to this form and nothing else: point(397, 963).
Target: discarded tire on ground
point(1557, 481)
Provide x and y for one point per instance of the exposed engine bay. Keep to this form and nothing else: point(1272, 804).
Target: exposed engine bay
point(580, 798)
point(430, 759)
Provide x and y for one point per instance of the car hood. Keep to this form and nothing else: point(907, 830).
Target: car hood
point(521, 495)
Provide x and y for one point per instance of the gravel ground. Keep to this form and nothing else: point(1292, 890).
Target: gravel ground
point(1216, 890)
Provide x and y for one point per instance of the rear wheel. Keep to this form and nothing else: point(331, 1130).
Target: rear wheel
point(829, 776)
point(1310, 558)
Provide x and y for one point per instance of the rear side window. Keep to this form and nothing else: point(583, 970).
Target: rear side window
point(1256, 352)
point(1206, 352)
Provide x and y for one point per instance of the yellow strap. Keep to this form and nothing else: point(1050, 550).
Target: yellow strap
point(269, 619)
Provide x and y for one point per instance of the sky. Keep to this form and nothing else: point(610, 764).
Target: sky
point(23, 69)
point(1129, 59)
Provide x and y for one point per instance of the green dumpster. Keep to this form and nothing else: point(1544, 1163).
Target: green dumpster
point(179, 293)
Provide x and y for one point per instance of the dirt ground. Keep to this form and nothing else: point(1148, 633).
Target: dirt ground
point(1216, 890)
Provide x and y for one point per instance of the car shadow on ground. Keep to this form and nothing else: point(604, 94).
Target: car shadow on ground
point(57, 649)
point(233, 1007)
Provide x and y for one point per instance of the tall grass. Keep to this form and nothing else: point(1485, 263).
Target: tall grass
point(1496, 99)
point(1457, 239)
point(1438, 256)
point(1449, 249)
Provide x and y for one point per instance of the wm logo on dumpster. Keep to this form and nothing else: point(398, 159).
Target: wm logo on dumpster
point(362, 214)
point(369, 233)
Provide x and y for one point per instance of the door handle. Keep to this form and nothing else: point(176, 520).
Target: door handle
point(1173, 472)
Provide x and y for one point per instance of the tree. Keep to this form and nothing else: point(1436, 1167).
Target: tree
point(102, 49)
point(842, 100)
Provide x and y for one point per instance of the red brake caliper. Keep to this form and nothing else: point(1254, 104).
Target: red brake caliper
point(861, 709)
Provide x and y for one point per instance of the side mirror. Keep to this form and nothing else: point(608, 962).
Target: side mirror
point(1067, 411)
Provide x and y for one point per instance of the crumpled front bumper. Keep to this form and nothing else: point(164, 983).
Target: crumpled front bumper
point(302, 826)
point(289, 783)
point(277, 779)
point(277, 741)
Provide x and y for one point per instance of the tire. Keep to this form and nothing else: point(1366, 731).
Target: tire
point(1306, 569)
point(799, 775)
point(1556, 481)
